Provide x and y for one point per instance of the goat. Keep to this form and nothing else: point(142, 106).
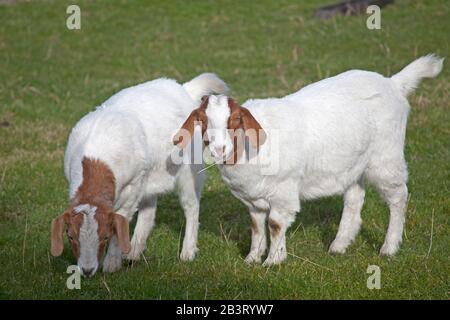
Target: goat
point(332, 136)
point(117, 162)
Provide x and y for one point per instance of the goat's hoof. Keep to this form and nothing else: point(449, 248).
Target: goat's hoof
point(137, 248)
point(270, 262)
point(188, 254)
point(337, 248)
point(275, 259)
point(252, 258)
point(134, 255)
point(388, 250)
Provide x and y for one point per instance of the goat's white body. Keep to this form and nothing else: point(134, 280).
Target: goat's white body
point(132, 132)
point(332, 134)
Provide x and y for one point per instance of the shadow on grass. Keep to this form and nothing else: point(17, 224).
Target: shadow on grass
point(225, 216)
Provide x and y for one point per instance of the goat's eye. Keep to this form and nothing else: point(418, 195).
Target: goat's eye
point(105, 238)
point(70, 238)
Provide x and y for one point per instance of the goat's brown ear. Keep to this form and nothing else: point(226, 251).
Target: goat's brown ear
point(123, 233)
point(58, 227)
point(185, 134)
point(252, 128)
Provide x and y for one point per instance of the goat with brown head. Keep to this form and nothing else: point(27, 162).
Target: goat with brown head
point(90, 222)
point(225, 124)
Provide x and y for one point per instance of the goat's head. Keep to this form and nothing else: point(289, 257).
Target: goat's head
point(89, 229)
point(226, 124)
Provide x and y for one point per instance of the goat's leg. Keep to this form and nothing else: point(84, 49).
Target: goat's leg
point(144, 225)
point(113, 258)
point(390, 179)
point(351, 218)
point(259, 240)
point(190, 185)
point(278, 224)
point(396, 197)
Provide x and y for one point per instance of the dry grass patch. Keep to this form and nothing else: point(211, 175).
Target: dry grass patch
point(32, 141)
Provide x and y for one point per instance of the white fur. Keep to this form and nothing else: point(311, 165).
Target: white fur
point(408, 79)
point(88, 239)
point(132, 133)
point(332, 134)
point(218, 113)
point(205, 84)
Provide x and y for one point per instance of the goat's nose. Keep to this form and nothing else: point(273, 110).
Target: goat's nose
point(87, 272)
point(219, 151)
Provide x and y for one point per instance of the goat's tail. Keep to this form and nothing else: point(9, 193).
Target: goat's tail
point(408, 79)
point(205, 84)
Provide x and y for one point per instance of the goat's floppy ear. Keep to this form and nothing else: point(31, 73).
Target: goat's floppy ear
point(58, 227)
point(252, 128)
point(186, 133)
point(122, 231)
point(202, 108)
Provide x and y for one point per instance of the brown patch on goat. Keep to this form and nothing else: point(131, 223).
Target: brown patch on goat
point(104, 217)
point(98, 186)
point(274, 227)
point(181, 139)
point(73, 232)
point(57, 233)
point(241, 124)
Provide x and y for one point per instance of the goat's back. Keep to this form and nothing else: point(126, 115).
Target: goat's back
point(131, 131)
point(329, 131)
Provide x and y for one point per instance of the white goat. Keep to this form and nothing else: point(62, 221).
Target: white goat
point(331, 135)
point(118, 160)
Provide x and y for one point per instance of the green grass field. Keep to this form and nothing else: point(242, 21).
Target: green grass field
point(51, 76)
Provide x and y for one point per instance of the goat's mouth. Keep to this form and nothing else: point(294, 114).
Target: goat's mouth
point(88, 272)
point(222, 159)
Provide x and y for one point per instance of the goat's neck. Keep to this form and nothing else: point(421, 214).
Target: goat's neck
point(98, 184)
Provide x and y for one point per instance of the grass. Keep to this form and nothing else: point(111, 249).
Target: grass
point(51, 76)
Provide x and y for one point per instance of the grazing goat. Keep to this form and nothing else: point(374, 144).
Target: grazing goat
point(118, 159)
point(331, 136)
